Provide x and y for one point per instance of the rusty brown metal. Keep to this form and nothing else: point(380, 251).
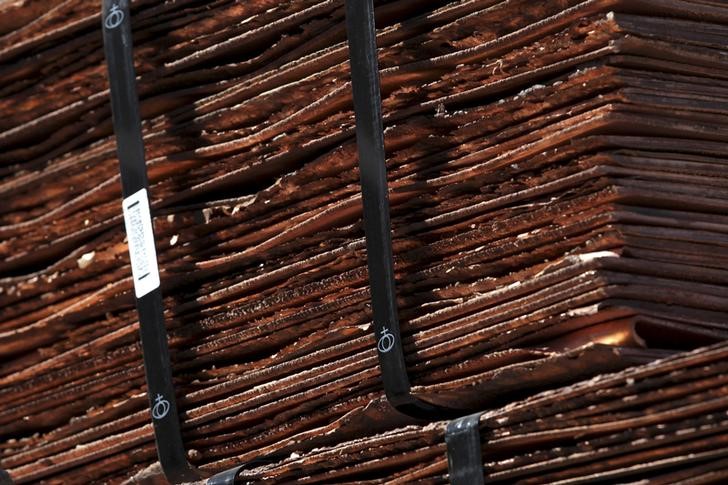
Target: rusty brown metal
point(558, 194)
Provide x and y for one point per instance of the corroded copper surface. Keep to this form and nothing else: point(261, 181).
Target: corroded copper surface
point(558, 187)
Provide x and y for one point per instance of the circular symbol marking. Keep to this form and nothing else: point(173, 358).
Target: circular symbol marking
point(161, 407)
point(386, 341)
point(115, 18)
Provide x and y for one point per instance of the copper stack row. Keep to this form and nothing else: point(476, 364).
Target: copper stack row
point(559, 189)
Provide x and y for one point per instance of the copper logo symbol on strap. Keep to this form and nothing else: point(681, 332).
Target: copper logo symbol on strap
point(115, 18)
point(161, 407)
point(386, 341)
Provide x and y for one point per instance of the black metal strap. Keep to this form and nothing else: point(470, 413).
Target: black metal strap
point(370, 141)
point(464, 460)
point(5, 478)
point(228, 477)
point(130, 150)
point(116, 20)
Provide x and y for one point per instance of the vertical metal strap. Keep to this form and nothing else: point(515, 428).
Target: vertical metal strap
point(130, 150)
point(370, 141)
point(137, 219)
point(464, 460)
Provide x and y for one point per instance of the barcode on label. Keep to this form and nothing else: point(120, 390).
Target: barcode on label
point(138, 222)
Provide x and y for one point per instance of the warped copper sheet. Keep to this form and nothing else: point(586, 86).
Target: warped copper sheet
point(558, 190)
point(661, 421)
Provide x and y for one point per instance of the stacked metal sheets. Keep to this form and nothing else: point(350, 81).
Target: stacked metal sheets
point(663, 422)
point(558, 188)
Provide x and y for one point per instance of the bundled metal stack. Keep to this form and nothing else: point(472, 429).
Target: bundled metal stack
point(558, 191)
point(660, 423)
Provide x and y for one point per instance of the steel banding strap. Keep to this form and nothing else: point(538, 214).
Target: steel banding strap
point(464, 460)
point(370, 140)
point(130, 150)
point(5, 478)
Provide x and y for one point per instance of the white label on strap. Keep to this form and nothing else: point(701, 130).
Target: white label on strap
point(138, 222)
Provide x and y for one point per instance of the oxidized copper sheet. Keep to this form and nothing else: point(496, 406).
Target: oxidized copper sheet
point(558, 192)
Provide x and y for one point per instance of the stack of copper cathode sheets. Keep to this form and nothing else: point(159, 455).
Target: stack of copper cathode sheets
point(558, 192)
point(661, 423)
